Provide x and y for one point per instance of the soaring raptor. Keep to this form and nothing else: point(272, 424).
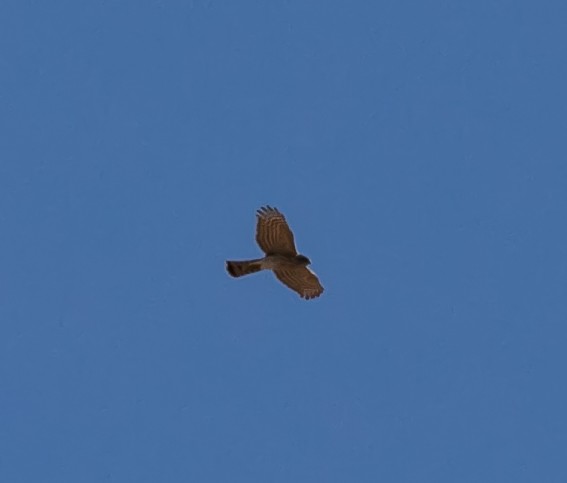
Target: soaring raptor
point(276, 240)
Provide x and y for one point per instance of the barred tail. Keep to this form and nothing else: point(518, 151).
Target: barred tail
point(237, 269)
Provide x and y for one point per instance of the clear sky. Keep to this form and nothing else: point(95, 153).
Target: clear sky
point(418, 150)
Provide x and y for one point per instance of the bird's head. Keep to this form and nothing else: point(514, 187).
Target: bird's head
point(303, 260)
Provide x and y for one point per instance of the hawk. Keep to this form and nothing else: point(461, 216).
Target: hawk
point(275, 238)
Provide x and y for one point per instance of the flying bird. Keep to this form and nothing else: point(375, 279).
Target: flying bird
point(275, 238)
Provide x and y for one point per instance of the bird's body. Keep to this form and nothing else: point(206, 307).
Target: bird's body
point(269, 262)
point(276, 239)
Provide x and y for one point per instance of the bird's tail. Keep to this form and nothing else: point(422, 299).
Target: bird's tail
point(244, 267)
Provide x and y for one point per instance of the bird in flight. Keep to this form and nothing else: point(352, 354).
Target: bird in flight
point(275, 238)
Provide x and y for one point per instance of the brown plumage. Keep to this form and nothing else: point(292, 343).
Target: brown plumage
point(275, 238)
point(238, 269)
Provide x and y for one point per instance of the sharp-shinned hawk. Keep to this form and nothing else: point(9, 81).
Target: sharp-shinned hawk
point(275, 238)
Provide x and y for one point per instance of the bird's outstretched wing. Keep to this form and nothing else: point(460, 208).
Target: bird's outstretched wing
point(301, 280)
point(273, 233)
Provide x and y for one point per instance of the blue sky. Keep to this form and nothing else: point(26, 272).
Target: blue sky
point(418, 152)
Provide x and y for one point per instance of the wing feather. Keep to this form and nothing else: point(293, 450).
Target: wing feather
point(301, 280)
point(273, 234)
